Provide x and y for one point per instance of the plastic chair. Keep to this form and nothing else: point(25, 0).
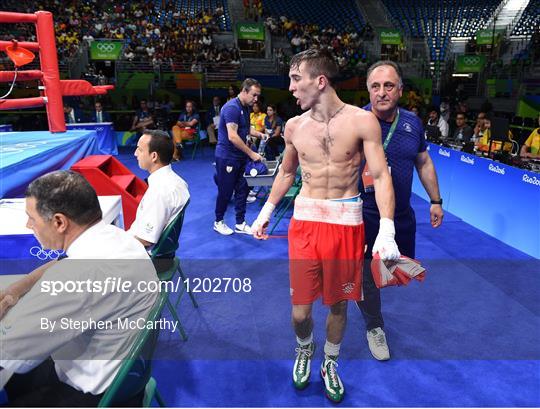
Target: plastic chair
point(288, 199)
point(196, 142)
point(135, 373)
point(165, 252)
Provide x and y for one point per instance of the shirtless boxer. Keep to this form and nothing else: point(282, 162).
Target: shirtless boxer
point(326, 234)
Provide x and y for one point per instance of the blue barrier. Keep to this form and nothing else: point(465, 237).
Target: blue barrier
point(106, 137)
point(498, 199)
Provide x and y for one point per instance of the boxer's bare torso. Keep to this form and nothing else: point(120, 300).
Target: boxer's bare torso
point(330, 153)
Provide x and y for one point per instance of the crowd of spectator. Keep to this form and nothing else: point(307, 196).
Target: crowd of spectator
point(253, 9)
point(147, 37)
point(347, 45)
point(183, 38)
point(68, 21)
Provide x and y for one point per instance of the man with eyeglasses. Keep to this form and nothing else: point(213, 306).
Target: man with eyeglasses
point(405, 148)
point(463, 132)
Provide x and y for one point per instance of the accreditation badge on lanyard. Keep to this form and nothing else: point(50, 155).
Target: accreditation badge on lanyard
point(367, 178)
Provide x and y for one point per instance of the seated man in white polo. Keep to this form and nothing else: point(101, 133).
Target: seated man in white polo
point(167, 192)
point(65, 338)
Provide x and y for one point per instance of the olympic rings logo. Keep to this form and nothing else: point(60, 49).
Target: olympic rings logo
point(106, 47)
point(43, 254)
point(471, 60)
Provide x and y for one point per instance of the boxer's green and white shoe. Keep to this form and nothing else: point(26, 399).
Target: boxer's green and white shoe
point(302, 365)
point(332, 383)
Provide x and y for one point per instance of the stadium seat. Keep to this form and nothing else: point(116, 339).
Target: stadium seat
point(338, 14)
point(434, 23)
point(529, 20)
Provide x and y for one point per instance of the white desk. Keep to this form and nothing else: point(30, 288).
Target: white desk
point(17, 242)
point(13, 223)
point(13, 216)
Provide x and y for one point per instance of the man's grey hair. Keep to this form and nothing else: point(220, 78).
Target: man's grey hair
point(388, 63)
point(66, 192)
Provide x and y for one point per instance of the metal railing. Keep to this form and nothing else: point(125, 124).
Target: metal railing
point(210, 71)
point(171, 66)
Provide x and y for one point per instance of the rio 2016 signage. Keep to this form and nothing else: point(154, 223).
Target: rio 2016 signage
point(486, 37)
point(470, 63)
point(250, 31)
point(390, 37)
point(105, 50)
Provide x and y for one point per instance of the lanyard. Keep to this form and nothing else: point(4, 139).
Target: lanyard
point(391, 131)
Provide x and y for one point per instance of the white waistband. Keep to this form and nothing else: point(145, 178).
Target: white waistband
point(328, 211)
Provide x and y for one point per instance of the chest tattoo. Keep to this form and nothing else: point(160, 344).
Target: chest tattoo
point(328, 140)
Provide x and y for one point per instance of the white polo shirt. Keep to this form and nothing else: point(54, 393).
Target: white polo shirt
point(87, 359)
point(165, 197)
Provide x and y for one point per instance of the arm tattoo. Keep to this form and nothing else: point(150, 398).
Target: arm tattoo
point(233, 126)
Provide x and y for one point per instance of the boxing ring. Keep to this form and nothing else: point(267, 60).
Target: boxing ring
point(51, 87)
point(26, 155)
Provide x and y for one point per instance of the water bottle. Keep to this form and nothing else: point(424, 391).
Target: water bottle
point(262, 145)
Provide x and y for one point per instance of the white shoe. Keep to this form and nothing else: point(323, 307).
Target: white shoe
point(251, 199)
point(377, 344)
point(252, 193)
point(243, 228)
point(222, 228)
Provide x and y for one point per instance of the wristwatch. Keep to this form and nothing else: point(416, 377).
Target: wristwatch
point(439, 202)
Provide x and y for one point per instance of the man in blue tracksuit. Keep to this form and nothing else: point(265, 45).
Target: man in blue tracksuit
point(232, 154)
point(405, 148)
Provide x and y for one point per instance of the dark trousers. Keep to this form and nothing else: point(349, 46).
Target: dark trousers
point(405, 225)
point(230, 179)
point(41, 387)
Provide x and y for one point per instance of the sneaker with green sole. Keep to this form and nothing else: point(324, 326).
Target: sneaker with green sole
point(302, 365)
point(332, 383)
